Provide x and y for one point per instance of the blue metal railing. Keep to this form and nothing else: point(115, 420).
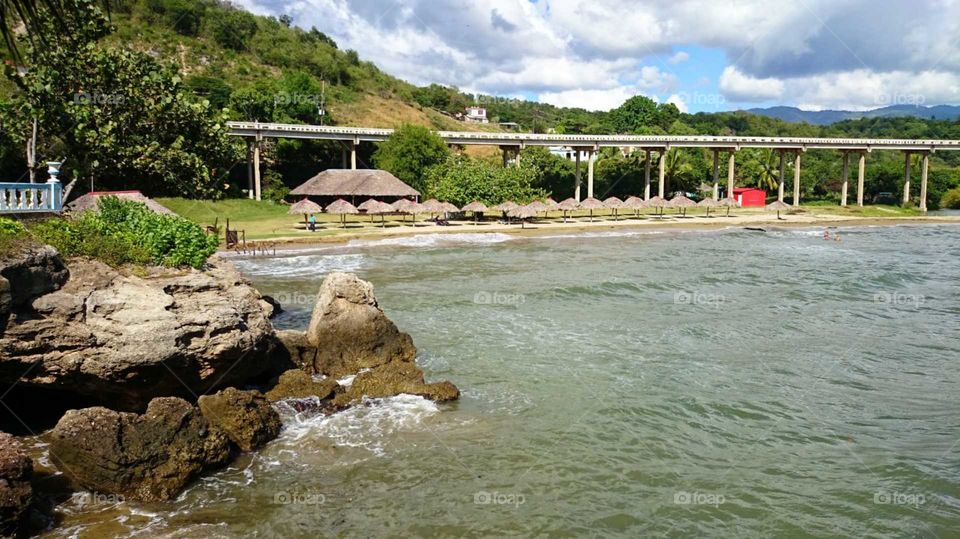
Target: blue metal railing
point(31, 197)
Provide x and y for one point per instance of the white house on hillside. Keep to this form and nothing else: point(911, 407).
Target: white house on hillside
point(475, 115)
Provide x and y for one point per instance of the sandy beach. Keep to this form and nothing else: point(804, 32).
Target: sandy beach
point(552, 225)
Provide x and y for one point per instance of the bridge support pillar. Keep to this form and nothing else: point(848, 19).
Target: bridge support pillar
point(576, 186)
point(250, 193)
point(846, 179)
point(256, 168)
point(590, 158)
point(796, 179)
point(906, 177)
point(783, 175)
point(731, 169)
point(716, 174)
point(924, 169)
point(861, 168)
point(353, 155)
point(343, 156)
point(646, 175)
point(662, 171)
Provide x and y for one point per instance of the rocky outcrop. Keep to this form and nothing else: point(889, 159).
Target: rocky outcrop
point(245, 416)
point(16, 469)
point(27, 273)
point(144, 457)
point(350, 335)
point(349, 331)
point(394, 379)
point(127, 338)
point(297, 384)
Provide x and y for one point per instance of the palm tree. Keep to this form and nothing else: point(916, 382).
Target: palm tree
point(769, 177)
point(677, 167)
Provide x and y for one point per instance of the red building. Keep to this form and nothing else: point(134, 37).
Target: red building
point(750, 196)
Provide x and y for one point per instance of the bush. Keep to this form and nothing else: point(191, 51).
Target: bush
point(12, 233)
point(951, 199)
point(125, 232)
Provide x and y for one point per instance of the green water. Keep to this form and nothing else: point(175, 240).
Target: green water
point(721, 384)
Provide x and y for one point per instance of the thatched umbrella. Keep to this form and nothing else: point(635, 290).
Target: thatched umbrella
point(522, 213)
point(538, 206)
point(708, 203)
point(778, 205)
point(475, 207)
point(551, 204)
point(569, 204)
point(635, 203)
point(614, 204)
point(729, 202)
point(342, 208)
point(591, 204)
point(505, 206)
point(658, 202)
point(381, 209)
point(432, 206)
point(682, 202)
point(305, 207)
point(449, 208)
point(367, 205)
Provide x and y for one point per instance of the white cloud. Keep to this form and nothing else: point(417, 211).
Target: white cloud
point(602, 100)
point(737, 86)
point(678, 58)
point(678, 101)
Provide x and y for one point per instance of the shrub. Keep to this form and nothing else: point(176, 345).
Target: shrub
point(125, 232)
point(951, 199)
point(12, 233)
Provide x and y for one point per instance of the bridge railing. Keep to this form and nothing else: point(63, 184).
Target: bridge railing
point(31, 197)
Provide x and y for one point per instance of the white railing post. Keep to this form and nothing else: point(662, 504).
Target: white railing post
point(56, 189)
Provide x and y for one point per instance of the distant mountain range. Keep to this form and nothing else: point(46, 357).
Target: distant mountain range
point(827, 117)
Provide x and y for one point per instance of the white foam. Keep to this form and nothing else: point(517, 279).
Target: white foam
point(367, 425)
point(304, 265)
point(434, 240)
point(605, 234)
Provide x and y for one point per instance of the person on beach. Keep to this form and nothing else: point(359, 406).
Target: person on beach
point(313, 223)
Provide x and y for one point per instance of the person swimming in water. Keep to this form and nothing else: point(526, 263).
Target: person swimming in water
point(826, 234)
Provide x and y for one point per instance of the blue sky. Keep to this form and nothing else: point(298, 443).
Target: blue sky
point(703, 55)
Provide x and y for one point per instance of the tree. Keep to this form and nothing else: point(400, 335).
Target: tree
point(635, 113)
point(409, 152)
point(233, 28)
point(461, 180)
point(556, 173)
point(121, 119)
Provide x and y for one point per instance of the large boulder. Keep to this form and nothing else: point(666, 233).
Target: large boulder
point(349, 331)
point(16, 469)
point(6, 303)
point(394, 379)
point(145, 457)
point(297, 384)
point(32, 271)
point(246, 417)
point(126, 338)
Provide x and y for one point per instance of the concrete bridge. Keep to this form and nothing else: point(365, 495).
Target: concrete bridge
point(512, 143)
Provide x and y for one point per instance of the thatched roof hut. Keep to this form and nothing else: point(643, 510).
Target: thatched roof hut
point(778, 205)
point(476, 207)
point(505, 206)
point(592, 204)
point(90, 200)
point(343, 208)
point(341, 183)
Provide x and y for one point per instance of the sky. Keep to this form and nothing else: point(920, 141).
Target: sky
point(702, 55)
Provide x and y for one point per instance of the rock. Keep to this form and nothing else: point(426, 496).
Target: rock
point(296, 384)
point(272, 307)
point(147, 457)
point(348, 331)
point(245, 416)
point(393, 379)
point(16, 470)
point(126, 339)
point(33, 271)
point(6, 303)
